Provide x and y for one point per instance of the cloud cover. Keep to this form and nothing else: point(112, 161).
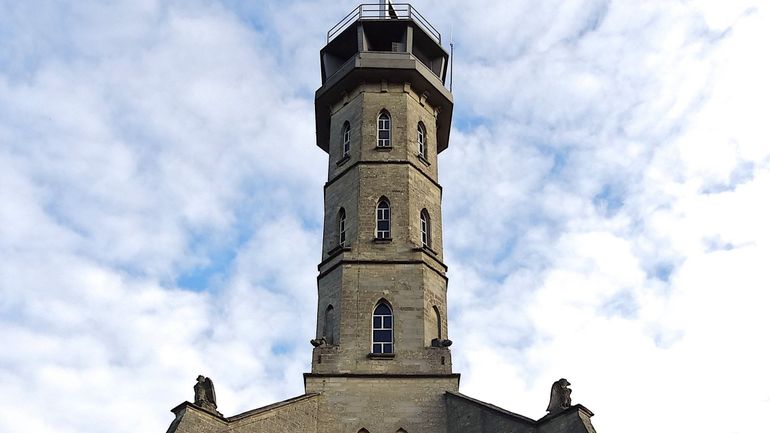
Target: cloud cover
point(605, 207)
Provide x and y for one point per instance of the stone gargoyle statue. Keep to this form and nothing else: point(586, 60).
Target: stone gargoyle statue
point(205, 396)
point(560, 396)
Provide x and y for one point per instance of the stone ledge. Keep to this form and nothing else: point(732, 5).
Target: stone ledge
point(187, 405)
point(344, 159)
point(385, 375)
point(375, 162)
point(383, 356)
point(492, 407)
point(576, 408)
point(269, 407)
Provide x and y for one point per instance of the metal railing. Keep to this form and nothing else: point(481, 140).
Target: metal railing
point(392, 11)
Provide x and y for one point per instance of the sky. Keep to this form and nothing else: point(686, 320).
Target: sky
point(605, 207)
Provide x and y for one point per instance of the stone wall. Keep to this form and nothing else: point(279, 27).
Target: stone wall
point(192, 419)
point(297, 415)
point(576, 419)
point(467, 415)
point(381, 404)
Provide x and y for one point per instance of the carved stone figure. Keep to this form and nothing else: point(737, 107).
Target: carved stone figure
point(205, 396)
point(560, 396)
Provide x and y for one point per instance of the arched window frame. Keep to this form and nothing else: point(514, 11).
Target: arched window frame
point(384, 128)
point(425, 229)
point(328, 329)
point(382, 328)
point(346, 139)
point(422, 142)
point(341, 227)
point(437, 314)
point(382, 219)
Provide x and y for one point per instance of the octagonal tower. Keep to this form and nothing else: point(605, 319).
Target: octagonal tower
point(383, 115)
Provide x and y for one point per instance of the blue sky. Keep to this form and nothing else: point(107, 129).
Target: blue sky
point(605, 207)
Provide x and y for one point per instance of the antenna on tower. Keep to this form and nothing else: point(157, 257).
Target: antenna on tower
point(451, 57)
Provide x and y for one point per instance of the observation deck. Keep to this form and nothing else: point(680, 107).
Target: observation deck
point(390, 43)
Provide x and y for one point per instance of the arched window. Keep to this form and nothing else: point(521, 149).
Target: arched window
point(383, 219)
point(363, 430)
point(346, 139)
point(382, 329)
point(401, 431)
point(341, 221)
point(328, 331)
point(422, 146)
point(437, 314)
point(383, 129)
point(425, 228)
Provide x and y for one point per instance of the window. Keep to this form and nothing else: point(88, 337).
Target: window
point(422, 147)
point(383, 129)
point(383, 219)
point(346, 139)
point(382, 329)
point(438, 321)
point(328, 331)
point(341, 220)
point(425, 228)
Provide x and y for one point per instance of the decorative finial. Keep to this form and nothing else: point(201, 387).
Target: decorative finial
point(560, 396)
point(205, 397)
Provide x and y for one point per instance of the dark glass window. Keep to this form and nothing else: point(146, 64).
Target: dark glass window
point(383, 220)
point(425, 228)
point(346, 139)
point(422, 147)
point(383, 130)
point(341, 219)
point(382, 329)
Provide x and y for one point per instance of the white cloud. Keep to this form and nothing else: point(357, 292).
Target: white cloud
point(604, 210)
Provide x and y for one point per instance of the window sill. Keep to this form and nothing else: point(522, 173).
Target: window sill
point(344, 159)
point(423, 160)
point(381, 355)
point(383, 148)
point(427, 249)
point(382, 240)
point(338, 249)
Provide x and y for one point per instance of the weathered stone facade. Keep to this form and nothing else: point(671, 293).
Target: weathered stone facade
point(381, 403)
point(299, 414)
point(361, 381)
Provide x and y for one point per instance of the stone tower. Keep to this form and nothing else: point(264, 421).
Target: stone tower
point(381, 361)
point(383, 115)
